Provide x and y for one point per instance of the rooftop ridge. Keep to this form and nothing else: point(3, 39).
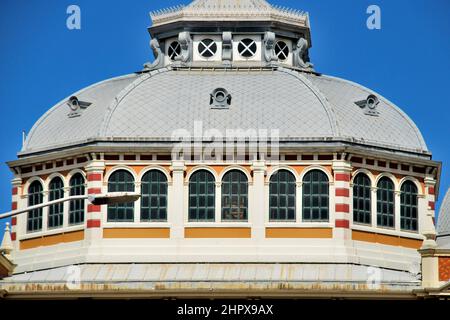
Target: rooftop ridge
point(229, 10)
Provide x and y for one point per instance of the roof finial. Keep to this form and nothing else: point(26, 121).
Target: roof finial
point(6, 245)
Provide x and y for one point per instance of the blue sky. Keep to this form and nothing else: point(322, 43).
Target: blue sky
point(41, 61)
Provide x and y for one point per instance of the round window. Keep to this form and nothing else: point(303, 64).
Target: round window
point(174, 50)
point(281, 50)
point(207, 48)
point(247, 48)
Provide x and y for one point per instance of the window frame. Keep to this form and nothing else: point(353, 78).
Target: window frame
point(287, 184)
point(383, 199)
point(77, 212)
point(196, 182)
point(125, 209)
point(36, 215)
point(321, 196)
point(55, 214)
point(357, 198)
point(227, 197)
point(414, 195)
point(161, 194)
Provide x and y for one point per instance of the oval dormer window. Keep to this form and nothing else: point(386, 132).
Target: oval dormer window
point(281, 50)
point(207, 48)
point(247, 48)
point(174, 50)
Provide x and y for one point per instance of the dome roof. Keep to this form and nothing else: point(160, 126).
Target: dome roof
point(152, 106)
point(443, 228)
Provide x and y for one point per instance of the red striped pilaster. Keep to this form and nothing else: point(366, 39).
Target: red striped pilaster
point(95, 175)
point(342, 176)
point(342, 207)
point(93, 223)
point(342, 192)
point(16, 190)
point(342, 223)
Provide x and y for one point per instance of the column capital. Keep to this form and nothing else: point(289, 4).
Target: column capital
point(429, 180)
point(342, 166)
point(178, 165)
point(16, 182)
point(259, 166)
point(95, 165)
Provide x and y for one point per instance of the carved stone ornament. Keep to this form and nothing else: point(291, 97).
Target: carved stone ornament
point(186, 47)
point(269, 47)
point(301, 59)
point(159, 57)
point(227, 47)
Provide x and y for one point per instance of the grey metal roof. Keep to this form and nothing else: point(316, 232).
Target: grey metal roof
point(443, 227)
point(153, 105)
point(218, 276)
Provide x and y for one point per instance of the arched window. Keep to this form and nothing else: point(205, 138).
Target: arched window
point(315, 196)
point(55, 211)
point(282, 196)
point(154, 196)
point(362, 199)
point(202, 196)
point(234, 196)
point(76, 207)
point(408, 206)
point(385, 203)
point(35, 196)
point(121, 181)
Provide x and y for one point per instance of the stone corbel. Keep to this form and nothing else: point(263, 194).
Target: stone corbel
point(185, 40)
point(159, 57)
point(301, 58)
point(269, 47)
point(227, 48)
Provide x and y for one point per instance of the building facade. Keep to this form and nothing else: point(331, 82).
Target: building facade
point(257, 175)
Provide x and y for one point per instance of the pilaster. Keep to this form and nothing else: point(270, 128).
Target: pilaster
point(94, 176)
point(16, 191)
point(177, 214)
point(257, 209)
point(341, 170)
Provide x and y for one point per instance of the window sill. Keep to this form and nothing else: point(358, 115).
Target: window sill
point(218, 224)
point(136, 225)
point(389, 232)
point(38, 234)
point(295, 224)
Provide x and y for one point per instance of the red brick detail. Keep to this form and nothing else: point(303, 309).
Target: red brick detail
point(444, 268)
point(13, 221)
point(93, 224)
point(94, 177)
point(342, 177)
point(431, 190)
point(342, 192)
point(342, 224)
point(342, 207)
point(14, 191)
point(13, 236)
point(94, 190)
point(14, 205)
point(94, 208)
point(431, 204)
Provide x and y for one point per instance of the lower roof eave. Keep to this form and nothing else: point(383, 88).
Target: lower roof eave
point(311, 145)
point(192, 293)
